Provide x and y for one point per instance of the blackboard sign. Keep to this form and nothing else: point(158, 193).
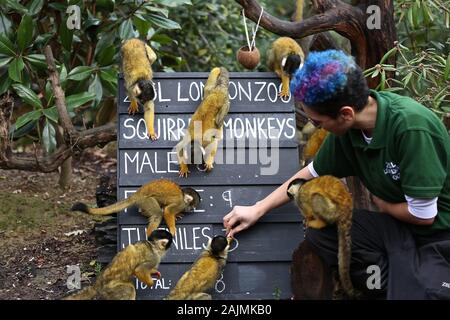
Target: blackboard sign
point(257, 154)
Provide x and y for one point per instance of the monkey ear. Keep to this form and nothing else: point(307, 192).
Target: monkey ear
point(163, 242)
point(283, 62)
point(188, 198)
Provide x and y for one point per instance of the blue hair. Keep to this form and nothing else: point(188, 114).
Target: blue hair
point(323, 75)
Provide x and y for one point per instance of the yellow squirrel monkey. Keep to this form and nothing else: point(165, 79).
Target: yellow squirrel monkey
point(204, 272)
point(140, 259)
point(137, 58)
point(284, 57)
point(157, 200)
point(324, 201)
point(206, 127)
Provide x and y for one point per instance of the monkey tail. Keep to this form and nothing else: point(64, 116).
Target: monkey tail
point(106, 210)
point(344, 257)
point(84, 294)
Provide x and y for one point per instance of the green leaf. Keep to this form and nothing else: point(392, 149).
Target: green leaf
point(58, 6)
point(66, 36)
point(80, 73)
point(14, 4)
point(52, 114)
point(383, 80)
point(77, 100)
point(163, 11)
point(6, 46)
point(162, 39)
point(427, 16)
point(172, 3)
point(27, 95)
point(375, 73)
point(15, 69)
point(63, 74)
point(126, 29)
point(96, 88)
point(25, 32)
point(388, 54)
point(4, 84)
point(5, 61)
point(105, 41)
point(49, 137)
point(109, 75)
point(35, 7)
point(27, 117)
point(37, 60)
point(106, 56)
point(163, 22)
point(410, 17)
point(142, 26)
point(447, 68)
point(5, 24)
point(107, 5)
point(407, 78)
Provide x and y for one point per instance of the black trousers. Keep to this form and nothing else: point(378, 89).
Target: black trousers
point(388, 259)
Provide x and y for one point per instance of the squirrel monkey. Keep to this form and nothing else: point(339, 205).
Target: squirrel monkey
point(204, 272)
point(157, 200)
point(206, 127)
point(137, 58)
point(140, 259)
point(323, 201)
point(313, 144)
point(284, 57)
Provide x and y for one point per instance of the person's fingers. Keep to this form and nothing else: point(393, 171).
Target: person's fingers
point(231, 222)
point(238, 229)
point(228, 216)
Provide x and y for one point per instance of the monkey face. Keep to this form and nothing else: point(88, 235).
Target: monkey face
point(191, 198)
point(162, 238)
point(219, 245)
point(145, 90)
point(293, 187)
point(291, 63)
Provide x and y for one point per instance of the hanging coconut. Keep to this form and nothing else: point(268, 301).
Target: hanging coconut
point(248, 59)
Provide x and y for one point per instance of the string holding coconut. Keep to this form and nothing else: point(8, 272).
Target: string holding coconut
point(249, 56)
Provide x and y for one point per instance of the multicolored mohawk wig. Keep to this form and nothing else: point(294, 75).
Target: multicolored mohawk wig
point(324, 74)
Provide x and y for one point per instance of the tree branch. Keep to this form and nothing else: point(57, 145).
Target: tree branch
point(60, 100)
point(90, 138)
point(332, 15)
point(331, 18)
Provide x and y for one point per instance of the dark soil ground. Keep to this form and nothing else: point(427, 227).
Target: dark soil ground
point(40, 236)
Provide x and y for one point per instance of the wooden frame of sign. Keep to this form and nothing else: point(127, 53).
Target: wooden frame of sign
point(258, 153)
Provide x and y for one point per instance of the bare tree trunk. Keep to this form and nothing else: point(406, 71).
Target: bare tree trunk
point(65, 175)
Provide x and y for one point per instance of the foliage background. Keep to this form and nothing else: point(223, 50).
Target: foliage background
point(188, 35)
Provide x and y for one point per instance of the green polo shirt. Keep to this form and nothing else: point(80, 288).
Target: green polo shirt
point(409, 155)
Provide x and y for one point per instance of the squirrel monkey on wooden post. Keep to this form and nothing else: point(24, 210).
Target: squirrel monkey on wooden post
point(284, 57)
point(206, 127)
point(137, 58)
point(323, 201)
point(140, 259)
point(204, 272)
point(157, 200)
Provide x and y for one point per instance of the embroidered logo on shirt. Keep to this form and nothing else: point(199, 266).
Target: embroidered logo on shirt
point(393, 170)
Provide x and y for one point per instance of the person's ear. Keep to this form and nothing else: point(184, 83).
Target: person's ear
point(347, 113)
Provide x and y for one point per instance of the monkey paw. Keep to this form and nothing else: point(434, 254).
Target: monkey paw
point(133, 108)
point(183, 173)
point(284, 93)
point(153, 136)
point(209, 166)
